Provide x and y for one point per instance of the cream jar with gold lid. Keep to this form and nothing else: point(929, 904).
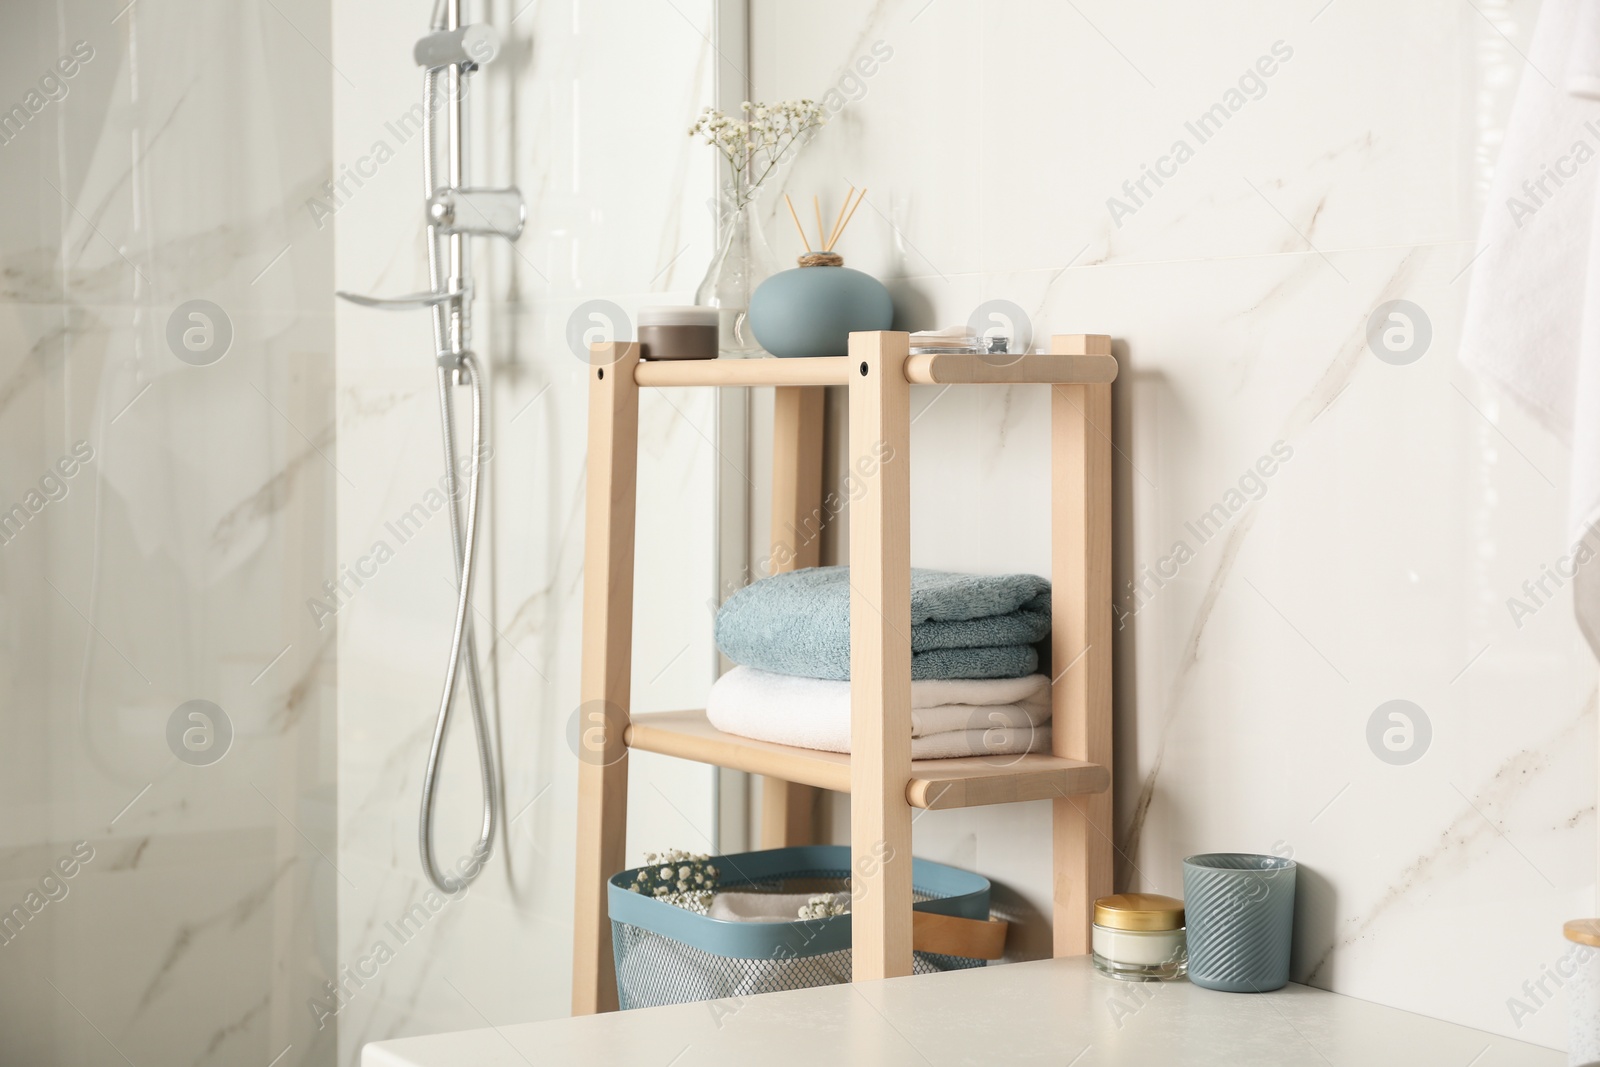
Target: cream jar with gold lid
point(1139, 937)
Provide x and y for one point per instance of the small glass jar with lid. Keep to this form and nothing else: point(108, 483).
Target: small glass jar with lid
point(1139, 937)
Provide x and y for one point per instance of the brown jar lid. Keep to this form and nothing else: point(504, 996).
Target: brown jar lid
point(1583, 931)
point(1139, 911)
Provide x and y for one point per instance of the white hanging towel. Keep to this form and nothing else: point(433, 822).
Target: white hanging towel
point(1533, 312)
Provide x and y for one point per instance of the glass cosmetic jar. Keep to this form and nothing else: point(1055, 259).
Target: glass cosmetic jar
point(1139, 937)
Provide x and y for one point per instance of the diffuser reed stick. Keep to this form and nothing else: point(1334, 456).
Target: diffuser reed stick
point(795, 215)
point(826, 239)
point(839, 230)
point(833, 234)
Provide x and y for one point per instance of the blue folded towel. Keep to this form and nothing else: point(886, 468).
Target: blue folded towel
point(962, 625)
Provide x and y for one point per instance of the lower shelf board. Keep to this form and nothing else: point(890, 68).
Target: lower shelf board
point(966, 782)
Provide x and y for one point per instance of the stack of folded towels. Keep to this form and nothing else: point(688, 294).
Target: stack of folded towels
point(975, 689)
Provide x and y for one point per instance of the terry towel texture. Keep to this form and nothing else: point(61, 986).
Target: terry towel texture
point(962, 625)
point(964, 717)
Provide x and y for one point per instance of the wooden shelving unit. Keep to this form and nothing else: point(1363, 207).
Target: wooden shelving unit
point(884, 783)
point(934, 783)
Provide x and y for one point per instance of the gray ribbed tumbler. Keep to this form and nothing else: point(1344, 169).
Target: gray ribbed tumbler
point(1240, 914)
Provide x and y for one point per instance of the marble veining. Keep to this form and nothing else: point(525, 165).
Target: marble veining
point(1474, 826)
point(1332, 384)
point(162, 573)
point(187, 936)
point(1240, 297)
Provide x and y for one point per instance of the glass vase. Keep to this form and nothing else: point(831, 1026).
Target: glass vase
point(743, 261)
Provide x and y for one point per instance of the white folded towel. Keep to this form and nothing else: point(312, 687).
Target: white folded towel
point(746, 907)
point(949, 718)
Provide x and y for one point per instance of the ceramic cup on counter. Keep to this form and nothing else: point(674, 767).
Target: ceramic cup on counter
point(678, 332)
point(1240, 910)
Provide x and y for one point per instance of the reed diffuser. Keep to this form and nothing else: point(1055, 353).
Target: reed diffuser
point(813, 309)
point(825, 256)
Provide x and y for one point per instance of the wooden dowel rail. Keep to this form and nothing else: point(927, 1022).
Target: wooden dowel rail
point(1077, 359)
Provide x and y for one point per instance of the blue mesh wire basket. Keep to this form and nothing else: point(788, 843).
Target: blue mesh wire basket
point(671, 955)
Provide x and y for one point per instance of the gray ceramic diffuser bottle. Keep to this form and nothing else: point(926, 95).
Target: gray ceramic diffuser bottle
point(813, 309)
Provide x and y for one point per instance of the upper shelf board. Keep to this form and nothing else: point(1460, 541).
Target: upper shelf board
point(1075, 359)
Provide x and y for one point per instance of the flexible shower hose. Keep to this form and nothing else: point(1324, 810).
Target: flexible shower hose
point(463, 538)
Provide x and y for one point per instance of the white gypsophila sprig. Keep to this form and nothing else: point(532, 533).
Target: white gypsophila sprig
point(757, 143)
point(682, 879)
point(825, 906)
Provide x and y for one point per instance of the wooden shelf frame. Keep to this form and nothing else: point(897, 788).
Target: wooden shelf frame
point(966, 782)
point(884, 783)
point(1074, 359)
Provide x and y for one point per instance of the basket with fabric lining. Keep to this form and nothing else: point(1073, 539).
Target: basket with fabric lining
point(670, 955)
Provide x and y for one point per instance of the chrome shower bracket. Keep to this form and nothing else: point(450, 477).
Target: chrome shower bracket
point(478, 212)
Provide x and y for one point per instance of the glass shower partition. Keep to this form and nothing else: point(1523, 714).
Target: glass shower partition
point(167, 482)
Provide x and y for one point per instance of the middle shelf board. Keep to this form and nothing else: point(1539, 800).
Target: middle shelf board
point(940, 783)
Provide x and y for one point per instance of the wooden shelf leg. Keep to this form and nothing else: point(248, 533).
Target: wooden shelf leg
point(788, 810)
point(607, 667)
point(788, 813)
point(1080, 516)
point(880, 655)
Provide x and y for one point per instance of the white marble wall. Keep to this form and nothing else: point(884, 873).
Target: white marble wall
point(587, 111)
point(184, 162)
point(165, 163)
point(1377, 561)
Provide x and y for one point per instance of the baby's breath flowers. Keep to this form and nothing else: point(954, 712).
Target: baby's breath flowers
point(755, 144)
point(683, 879)
point(825, 905)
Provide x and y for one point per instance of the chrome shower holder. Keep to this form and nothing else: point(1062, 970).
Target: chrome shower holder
point(454, 210)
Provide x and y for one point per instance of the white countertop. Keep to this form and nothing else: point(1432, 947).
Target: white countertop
point(1057, 1012)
